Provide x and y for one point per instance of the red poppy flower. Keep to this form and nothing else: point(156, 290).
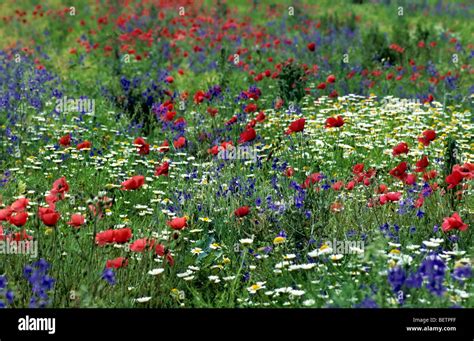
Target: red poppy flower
point(18, 218)
point(212, 111)
point(143, 147)
point(430, 175)
point(177, 223)
point(401, 148)
point(169, 79)
point(60, 188)
point(251, 124)
point(410, 179)
point(296, 126)
point(165, 147)
point(337, 185)
point(224, 146)
point(162, 169)
point(331, 79)
point(169, 116)
point(422, 164)
point(5, 213)
point(19, 205)
point(121, 236)
point(454, 223)
point(231, 121)
point(51, 199)
point(65, 141)
point(180, 142)
point(358, 168)
point(200, 96)
point(139, 245)
point(247, 136)
point(312, 179)
point(117, 263)
point(48, 216)
point(419, 202)
point(170, 259)
point(134, 182)
point(289, 172)
point(83, 145)
point(390, 197)
point(214, 150)
point(160, 250)
point(250, 108)
point(77, 220)
point(466, 170)
point(399, 171)
point(260, 116)
point(242, 211)
point(334, 122)
point(350, 185)
point(105, 237)
point(454, 179)
point(428, 136)
point(311, 46)
point(19, 236)
point(321, 86)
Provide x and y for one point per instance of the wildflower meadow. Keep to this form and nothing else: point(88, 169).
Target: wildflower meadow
point(236, 154)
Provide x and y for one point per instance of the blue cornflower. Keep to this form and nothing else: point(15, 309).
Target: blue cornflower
point(420, 214)
point(3, 282)
point(299, 200)
point(294, 185)
point(41, 283)
point(10, 296)
point(246, 277)
point(414, 280)
point(384, 227)
point(27, 271)
point(396, 278)
point(33, 302)
point(42, 265)
point(433, 270)
point(109, 276)
point(462, 273)
point(326, 186)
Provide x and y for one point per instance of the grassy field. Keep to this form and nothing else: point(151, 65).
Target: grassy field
point(240, 154)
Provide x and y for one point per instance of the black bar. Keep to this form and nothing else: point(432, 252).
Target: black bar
point(352, 324)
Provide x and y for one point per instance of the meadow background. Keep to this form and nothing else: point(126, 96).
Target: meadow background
point(359, 113)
